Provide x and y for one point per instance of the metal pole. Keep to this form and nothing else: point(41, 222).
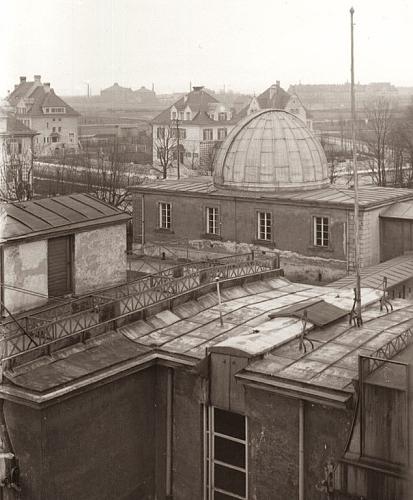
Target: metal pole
point(355, 177)
point(219, 301)
point(178, 173)
point(169, 426)
point(301, 494)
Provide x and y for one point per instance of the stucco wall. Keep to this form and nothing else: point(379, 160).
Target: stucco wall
point(100, 258)
point(25, 267)
point(94, 446)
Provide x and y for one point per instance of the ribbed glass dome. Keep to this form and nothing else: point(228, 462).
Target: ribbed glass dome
point(271, 150)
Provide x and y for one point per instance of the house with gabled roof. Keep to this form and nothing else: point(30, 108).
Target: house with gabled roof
point(275, 97)
point(36, 105)
point(16, 154)
point(200, 121)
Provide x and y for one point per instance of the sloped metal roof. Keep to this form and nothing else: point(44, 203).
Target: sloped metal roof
point(397, 271)
point(402, 210)
point(50, 215)
point(319, 312)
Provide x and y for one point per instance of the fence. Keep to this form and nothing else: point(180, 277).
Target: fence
point(39, 330)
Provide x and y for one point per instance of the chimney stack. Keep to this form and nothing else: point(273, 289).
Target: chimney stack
point(277, 83)
point(37, 78)
point(22, 79)
point(46, 87)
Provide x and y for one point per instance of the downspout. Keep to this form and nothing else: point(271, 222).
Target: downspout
point(301, 494)
point(169, 425)
point(143, 221)
point(347, 242)
point(10, 481)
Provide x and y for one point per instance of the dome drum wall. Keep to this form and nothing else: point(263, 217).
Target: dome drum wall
point(271, 150)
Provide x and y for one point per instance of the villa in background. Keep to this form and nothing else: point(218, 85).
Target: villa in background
point(36, 105)
point(199, 121)
point(275, 97)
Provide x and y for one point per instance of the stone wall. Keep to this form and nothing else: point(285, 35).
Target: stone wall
point(25, 268)
point(100, 258)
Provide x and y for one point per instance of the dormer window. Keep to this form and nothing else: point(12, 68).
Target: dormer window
point(222, 117)
point(173, 115)
point(54, 110)
point(187, 115)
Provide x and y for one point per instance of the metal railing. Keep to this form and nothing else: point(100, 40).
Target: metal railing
point(82, 314)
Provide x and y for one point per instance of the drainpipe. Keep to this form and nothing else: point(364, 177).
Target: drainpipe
point(169, 424)
point(347, 242)
point(9, 483)
point(143, 221)
point(301, 451)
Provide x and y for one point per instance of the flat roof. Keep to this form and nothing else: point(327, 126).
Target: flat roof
point(397, 271)
point(188, 332)
point(42, 217)
point(369, 196)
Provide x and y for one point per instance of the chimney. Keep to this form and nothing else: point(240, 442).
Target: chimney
point(277, 83)
point(22, 79)
point(46, 87)
point(37, 78)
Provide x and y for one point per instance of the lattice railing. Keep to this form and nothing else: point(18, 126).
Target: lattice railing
point(90, 311)
point(386, 352)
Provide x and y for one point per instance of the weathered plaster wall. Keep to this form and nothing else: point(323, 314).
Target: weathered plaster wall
point(25, 267)
point(100, 258)
point(93, 446)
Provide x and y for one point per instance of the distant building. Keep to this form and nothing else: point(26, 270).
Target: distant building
point(270, 192)
point(38, 107)
point(16, 154)
point(59, 246)
point(145, 96)
point(337, 96)
point(116, 93)
point(203, 123)
point(275, 97)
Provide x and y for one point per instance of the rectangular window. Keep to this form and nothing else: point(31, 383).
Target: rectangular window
point(225, 455)
point(212, 223)
point(222, 133)
point(181, 131)
point(165, 215)
point(207, 134)
point(187, 115)
point(264, 225)
point(160, 132)
point(222, 117)
point(321, 236)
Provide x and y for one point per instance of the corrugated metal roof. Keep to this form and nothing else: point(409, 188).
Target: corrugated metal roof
point(396, 270)
point(403, 210)
point(319, 312)
point(50, 215)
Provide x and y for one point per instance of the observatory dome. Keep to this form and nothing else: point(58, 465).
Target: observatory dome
point(271, 150)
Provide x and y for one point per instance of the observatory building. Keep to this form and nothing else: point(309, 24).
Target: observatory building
point(270, 192)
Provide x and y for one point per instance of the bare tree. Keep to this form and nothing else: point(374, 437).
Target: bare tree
point(104, 176)
point(16, 167)
point(380, 122)
point(165, 145)
point(208, 157)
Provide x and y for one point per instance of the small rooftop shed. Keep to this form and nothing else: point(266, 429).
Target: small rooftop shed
point(59, 246)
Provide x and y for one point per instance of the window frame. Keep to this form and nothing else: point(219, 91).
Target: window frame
point(210, 132)
point(209, 458)
point(225, 134)
point(258, 226)
point(216, 222)
point(168, 223)
point(325, 240)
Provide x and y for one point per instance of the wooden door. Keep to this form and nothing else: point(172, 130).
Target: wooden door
point(59, 266)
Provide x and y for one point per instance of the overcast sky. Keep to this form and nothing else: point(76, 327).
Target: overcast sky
point(243, 44)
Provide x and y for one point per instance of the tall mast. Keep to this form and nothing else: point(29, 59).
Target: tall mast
point(355, 178)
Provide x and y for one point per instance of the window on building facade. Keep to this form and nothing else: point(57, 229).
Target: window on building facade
point(160, 132)
point(207, 134)
point(222, 117)
point(165, 215)
point(264, 226)
point(173, 115)
point(320, 230)
point(182, 133)
point(222, 133)
point(225, 455)
point(187, 115)
point(212, 223)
